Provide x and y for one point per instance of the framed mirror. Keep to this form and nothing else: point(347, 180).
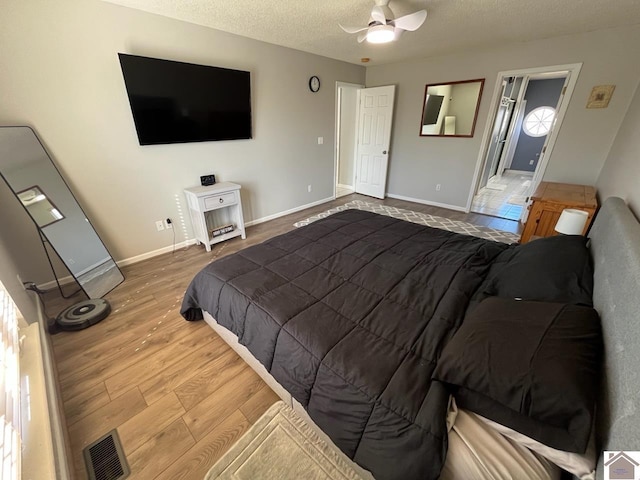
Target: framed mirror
point(451, 109)
point(30, 173)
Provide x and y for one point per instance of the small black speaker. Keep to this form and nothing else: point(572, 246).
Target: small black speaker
point(207, 180)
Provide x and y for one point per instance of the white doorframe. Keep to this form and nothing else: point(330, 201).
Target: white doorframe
point(573, 70)
point(336, 147)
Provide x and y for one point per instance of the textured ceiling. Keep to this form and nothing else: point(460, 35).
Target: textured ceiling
point(451, 25)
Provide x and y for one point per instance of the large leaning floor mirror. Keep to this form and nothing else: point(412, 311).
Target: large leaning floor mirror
point(31, 175)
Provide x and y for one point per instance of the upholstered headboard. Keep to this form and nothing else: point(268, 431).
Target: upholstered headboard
point(615, 246)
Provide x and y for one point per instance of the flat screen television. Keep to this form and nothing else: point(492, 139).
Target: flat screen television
point(175, 102)
point(432, 109)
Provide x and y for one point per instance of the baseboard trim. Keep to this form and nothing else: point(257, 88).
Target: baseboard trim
point(350, 187)
point(91, 267)
point(122, 263)
point(288, 212)
point(427, 202)
point(160, 251)
point(155, 253)
point(52, 284)
point(519, 172)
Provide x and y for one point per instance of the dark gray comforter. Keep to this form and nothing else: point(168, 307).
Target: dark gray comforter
point(350, 315)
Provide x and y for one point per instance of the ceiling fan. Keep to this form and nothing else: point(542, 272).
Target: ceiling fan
point(384, 27)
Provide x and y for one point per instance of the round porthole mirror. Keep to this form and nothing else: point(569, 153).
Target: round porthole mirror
point(539, 121)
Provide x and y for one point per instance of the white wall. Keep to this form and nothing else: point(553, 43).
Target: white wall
point(60, 74)
point(620, 174)
point(417, 163)
point(464, 98)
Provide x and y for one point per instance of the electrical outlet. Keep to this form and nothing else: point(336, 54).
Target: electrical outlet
point(438, 187)
point(168, 224)
point(530, 162)
point(320, 140)
point(309, 188)
point(159, 225)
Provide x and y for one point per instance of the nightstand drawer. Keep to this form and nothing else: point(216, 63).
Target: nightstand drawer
point(219, 200)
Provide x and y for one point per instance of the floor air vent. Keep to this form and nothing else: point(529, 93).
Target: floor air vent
point(105, 459)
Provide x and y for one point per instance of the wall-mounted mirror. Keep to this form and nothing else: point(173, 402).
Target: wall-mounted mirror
point(30, 173)
point(451, 109)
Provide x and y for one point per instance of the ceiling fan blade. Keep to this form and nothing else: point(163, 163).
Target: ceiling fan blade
point(411, 22)
point(362, 37)
point(378, 15)
point(352, 29)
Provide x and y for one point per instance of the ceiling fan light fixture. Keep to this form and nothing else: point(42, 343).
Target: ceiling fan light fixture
point(380, 34)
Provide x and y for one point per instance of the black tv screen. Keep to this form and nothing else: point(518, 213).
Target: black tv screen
point(432, 109)
point(175, 102)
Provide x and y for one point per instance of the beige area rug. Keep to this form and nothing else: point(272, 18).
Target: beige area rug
point(422, 219)
point(496, 186)
point(282, 446)
point(517, 200)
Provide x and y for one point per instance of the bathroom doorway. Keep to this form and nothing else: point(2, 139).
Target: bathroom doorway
point(528, 109)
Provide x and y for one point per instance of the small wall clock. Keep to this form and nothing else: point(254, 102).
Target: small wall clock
point(314, 84)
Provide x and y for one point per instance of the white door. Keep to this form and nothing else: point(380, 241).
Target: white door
point(374, 135)
point(546, 151)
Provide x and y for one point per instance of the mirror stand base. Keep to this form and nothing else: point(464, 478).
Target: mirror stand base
point(83, 314)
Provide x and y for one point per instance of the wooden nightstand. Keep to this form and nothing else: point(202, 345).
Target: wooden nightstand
point(548, 202)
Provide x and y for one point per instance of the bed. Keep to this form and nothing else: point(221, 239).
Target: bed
point(359, 321)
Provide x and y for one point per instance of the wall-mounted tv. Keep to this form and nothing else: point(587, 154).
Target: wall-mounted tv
point(432, 109)
point(175, 102)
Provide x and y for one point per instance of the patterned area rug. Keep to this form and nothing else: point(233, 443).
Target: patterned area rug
point(421, 218)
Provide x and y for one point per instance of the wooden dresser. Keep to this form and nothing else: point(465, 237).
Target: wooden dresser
point(548, 202)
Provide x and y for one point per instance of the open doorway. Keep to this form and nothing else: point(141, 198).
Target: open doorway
point(528, 109)
point(346, 135)
point(364, 119)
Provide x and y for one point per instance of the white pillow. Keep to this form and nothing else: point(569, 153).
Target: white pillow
point(477, 450)
point(582, 465)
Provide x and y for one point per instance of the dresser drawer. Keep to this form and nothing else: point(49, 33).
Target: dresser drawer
point(223, 199)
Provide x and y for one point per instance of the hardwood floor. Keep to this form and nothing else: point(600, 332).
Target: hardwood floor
point(177, 394)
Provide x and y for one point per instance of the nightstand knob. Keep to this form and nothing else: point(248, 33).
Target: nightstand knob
point(221, 200)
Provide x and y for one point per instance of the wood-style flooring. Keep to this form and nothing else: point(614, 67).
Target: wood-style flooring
point(177, 394)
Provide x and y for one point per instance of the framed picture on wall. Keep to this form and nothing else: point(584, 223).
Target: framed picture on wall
point(600, 96)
